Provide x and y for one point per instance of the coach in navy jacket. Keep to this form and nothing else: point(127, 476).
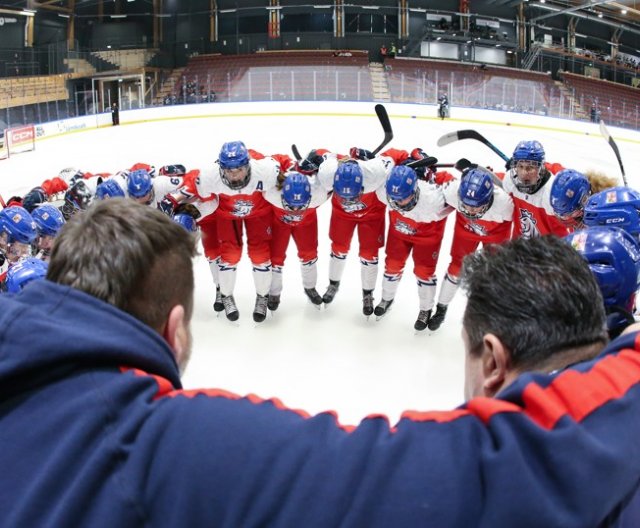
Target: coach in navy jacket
point(95, 429)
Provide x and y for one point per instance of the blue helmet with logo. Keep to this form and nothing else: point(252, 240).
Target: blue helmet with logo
point(533, 153)
point(570, 191)
point(139, 183)
point(234, 155)
point(23, 272)
point(109, 189)
point(617, 206)
point(296, 192)
point(18, 224)
point(401, 185)
point(348, 181)
point(48, 219)
point(476, 190)
point(614, 258)
point(186, 221)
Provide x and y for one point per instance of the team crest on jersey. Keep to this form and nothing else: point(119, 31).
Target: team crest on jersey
point(242, 208)
point(404, 228)
point(353, 207)
point(476, 229)
point(292, 218)
point(528, 224)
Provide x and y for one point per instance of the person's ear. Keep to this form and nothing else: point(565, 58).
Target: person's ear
point(176, 333)
point(496, 364)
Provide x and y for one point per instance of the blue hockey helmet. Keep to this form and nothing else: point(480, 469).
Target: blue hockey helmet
point(18, 224)
point(527, 176)
point(348, 181)
point(48, 219)
point(79, 196)
point(234, 156)
point(23, 272)
point(296, 192)
point(614, 258)
point(570, 191)
point(618, 207)
point(402, 188)
point(475, 192)
point(140, 185)
point(109, 189)
point(186, 221)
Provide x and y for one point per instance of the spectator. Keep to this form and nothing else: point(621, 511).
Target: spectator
point(115, 114)
point(134, 449)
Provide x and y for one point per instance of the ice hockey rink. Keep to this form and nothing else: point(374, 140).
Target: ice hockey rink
point(330, 359)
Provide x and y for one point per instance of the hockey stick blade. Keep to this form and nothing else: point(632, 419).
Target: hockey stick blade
point(614, 146)
point(383, 117)
point(458, 135)
point(296, 152)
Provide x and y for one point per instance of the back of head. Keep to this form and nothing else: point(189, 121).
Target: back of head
point(109, 189)
point(614, 258)
point(124, 253)
point(618, 206)
point(296, 192)
point(139, 183)
point(537, 295)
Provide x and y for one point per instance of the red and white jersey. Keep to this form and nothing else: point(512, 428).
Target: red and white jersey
point(163, 185)
point(533, 215)
point(246, 202)
point(319, 195)
point(494, 226)
point(419, 222)
point(374, 175)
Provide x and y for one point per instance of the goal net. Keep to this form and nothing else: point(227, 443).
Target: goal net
point(18, 139)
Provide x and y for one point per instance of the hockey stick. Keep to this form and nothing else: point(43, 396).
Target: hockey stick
point(429, 161)
point(451, 137)
point(296, 152)
point(383, 117)
point(612, 144)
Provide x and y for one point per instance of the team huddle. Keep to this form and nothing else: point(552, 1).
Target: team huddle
point(270, 199)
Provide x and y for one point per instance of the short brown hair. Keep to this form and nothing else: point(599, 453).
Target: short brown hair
point(129, 255)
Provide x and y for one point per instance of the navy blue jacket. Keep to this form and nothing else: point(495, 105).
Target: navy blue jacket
point(95, 430)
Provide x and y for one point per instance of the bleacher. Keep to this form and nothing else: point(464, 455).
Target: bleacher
point(617, 104)
point(127, 59)
point(23, 91)
point(277, 76)
point(488, 87)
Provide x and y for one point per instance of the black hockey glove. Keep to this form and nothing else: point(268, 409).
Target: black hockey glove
point(310, 164)
point(168, 205)
point(360, 154)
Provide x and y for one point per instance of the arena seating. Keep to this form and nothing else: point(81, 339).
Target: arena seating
point(277, 76)
point(618, 104)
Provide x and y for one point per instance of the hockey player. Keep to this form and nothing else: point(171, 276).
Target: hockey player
point(417, 218)
point(570, 191)
point(529, 187)
point(443, 106)
point(484, 215)
point(145, 189)
point(355, 204)
point(109, 188)
point(49, 220)
point(238, 185)
point(17, 236)
point(614, 258)
point(294, 208)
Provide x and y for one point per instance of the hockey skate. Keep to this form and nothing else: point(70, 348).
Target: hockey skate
point(230, 308)
point(367, 302)
point(423, 320)
point(313, 296)
point(382, 308)
point(260, 310)
point(438, 318)
point(273, 302)
point(218, 305)
point(332, 289)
